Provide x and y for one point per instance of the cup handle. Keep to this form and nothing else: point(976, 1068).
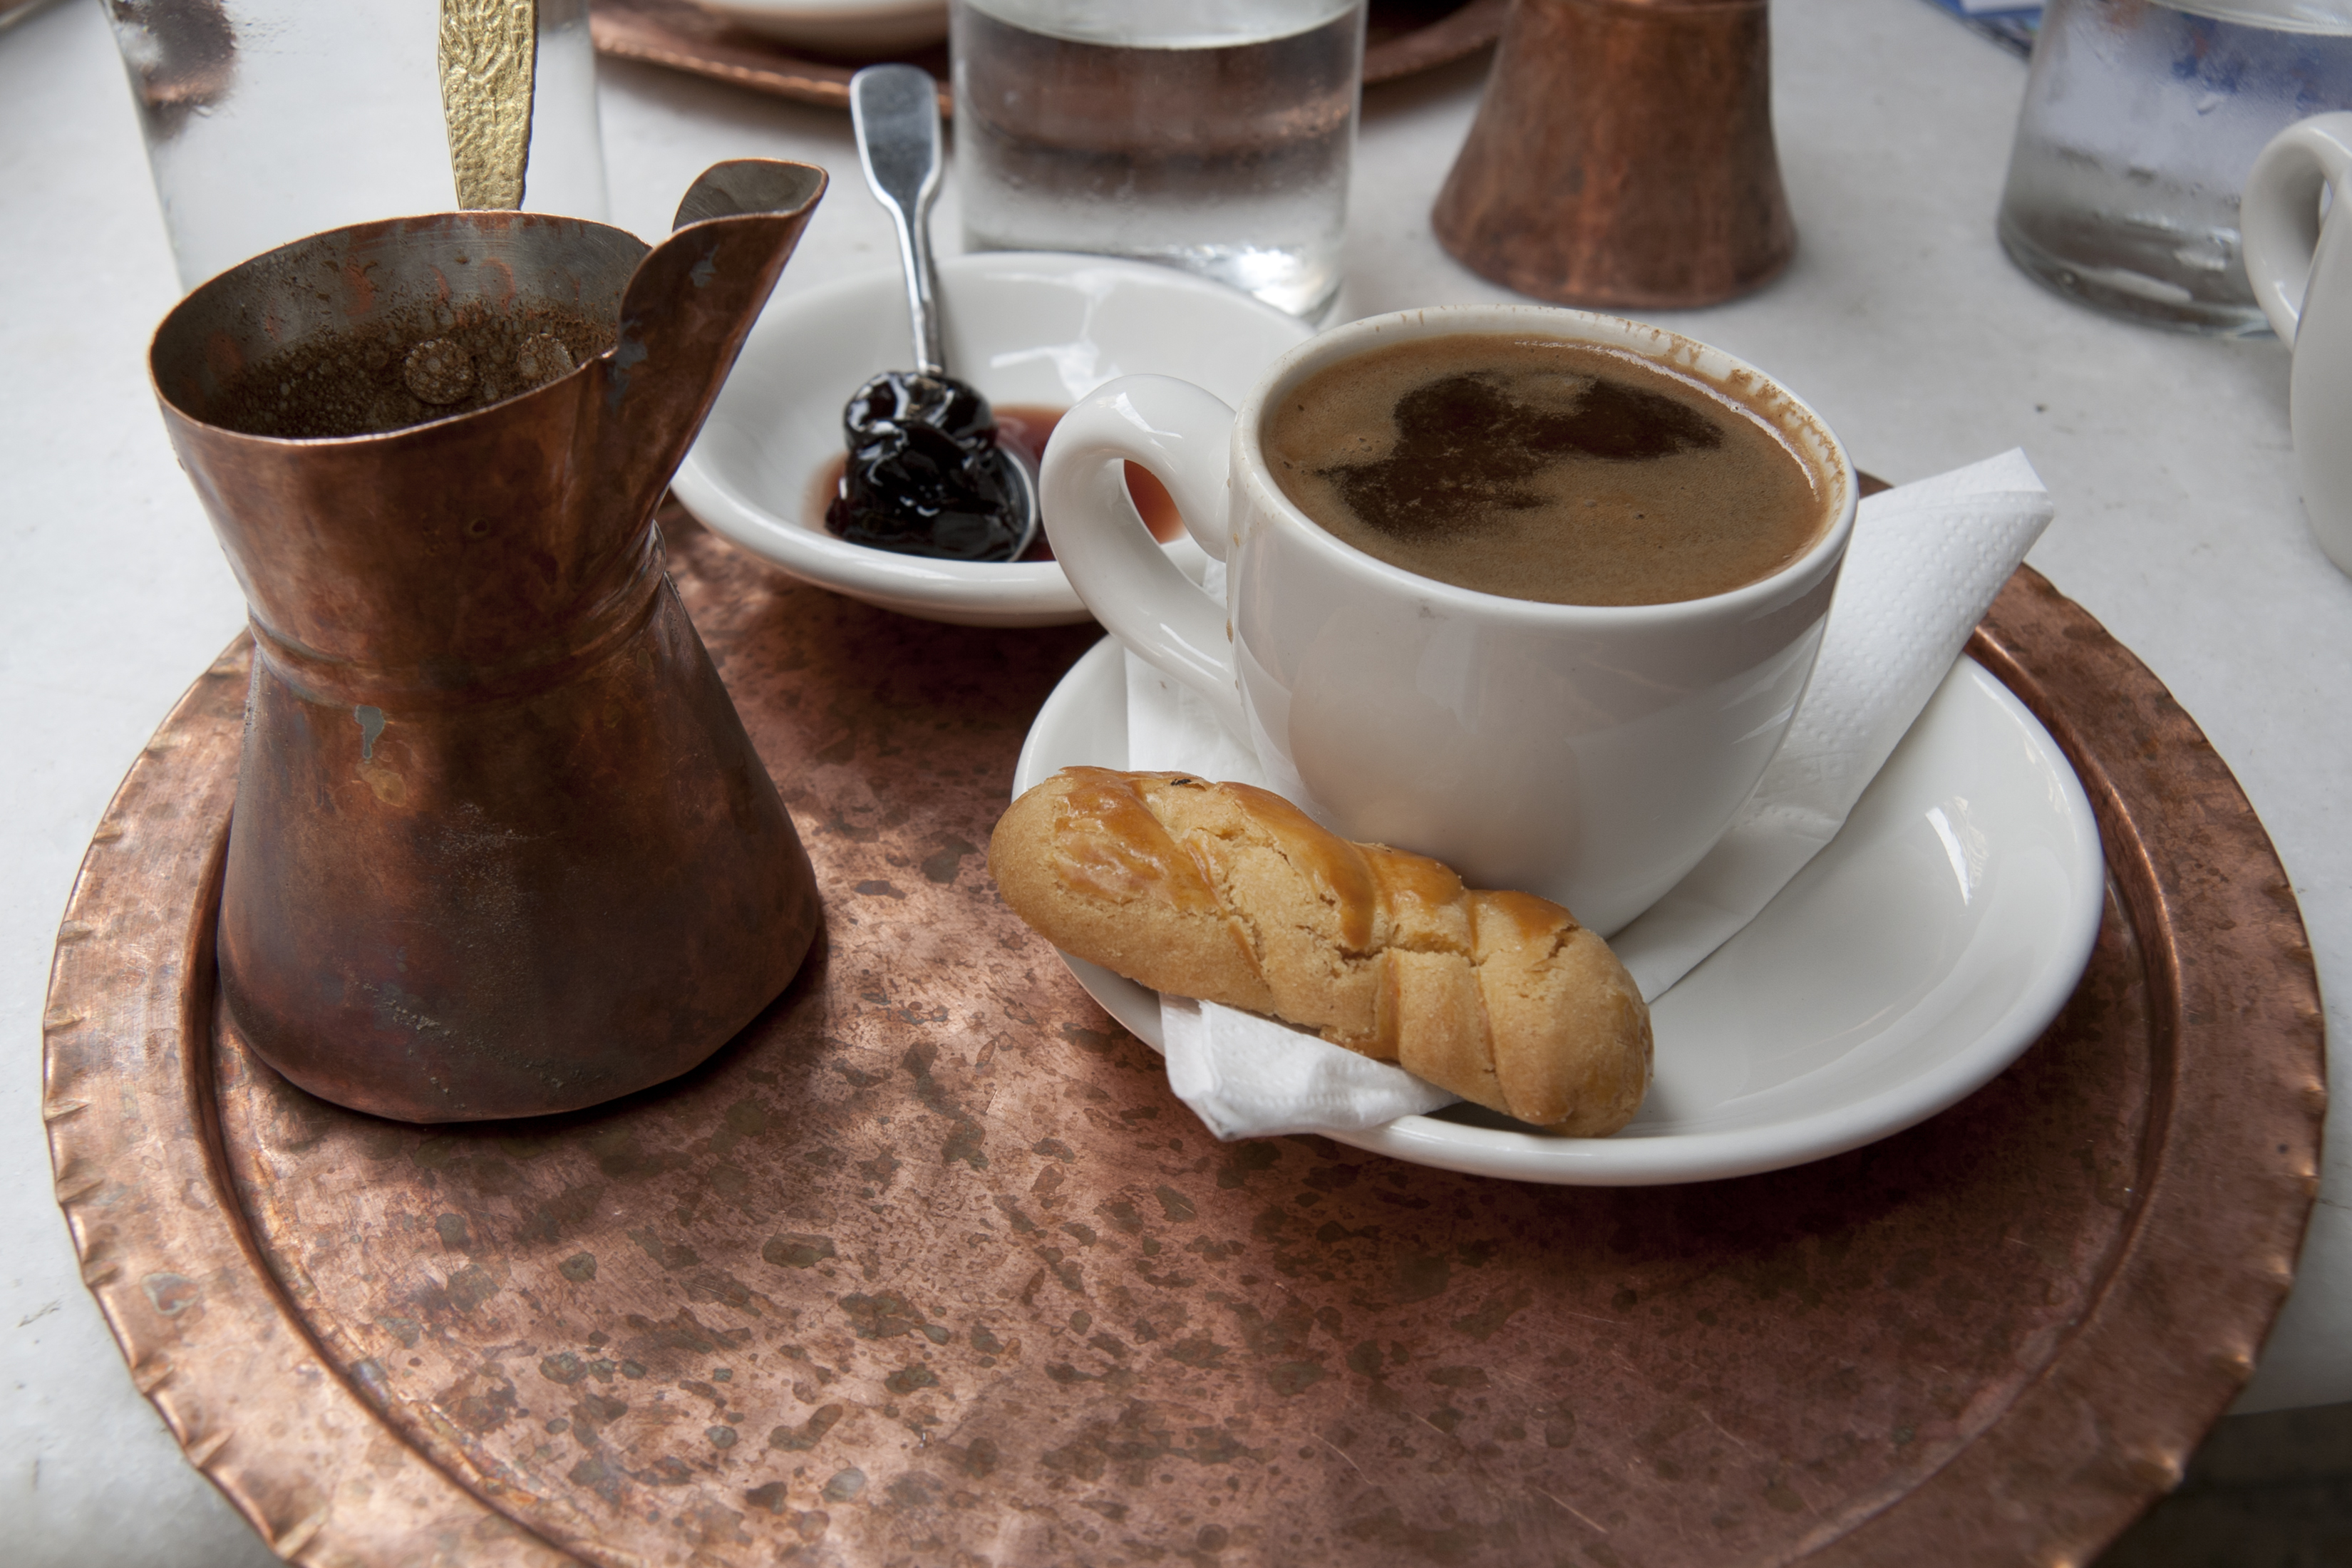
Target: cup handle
point(2278, 216)
point(1184, 437)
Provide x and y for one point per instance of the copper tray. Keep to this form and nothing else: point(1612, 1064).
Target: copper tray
point(928, 1267)
point(1402, 37)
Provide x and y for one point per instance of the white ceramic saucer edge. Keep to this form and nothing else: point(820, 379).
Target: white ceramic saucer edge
point(1084, 721)
point(1038, 328)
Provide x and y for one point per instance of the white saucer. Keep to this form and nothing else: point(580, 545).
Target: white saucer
point(1915, 958)
point(1026, 328)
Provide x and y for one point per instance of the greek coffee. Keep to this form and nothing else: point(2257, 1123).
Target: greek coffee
point(1566, 473)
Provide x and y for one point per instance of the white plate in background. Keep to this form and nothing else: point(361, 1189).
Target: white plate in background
point(858, 28)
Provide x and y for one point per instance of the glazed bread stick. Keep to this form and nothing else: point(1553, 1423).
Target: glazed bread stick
point(1232, 894)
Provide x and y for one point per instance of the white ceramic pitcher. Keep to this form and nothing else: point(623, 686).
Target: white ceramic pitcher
point(2302, 272)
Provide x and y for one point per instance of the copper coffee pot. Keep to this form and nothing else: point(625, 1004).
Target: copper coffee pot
point(1624, 156)
point(500, 843)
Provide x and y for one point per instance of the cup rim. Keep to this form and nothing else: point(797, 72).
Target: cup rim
point(1571, 325)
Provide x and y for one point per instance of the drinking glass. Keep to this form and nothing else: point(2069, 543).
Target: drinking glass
point(1214, 135)
point(269, 119)
point(2140, 121)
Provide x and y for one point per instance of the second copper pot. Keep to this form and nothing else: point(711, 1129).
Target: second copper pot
point(1624, 156)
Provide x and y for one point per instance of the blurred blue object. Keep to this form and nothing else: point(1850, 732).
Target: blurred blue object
point(2011, 27)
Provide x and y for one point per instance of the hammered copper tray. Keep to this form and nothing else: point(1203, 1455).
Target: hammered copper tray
point(928, 1267)
point(1401, 38)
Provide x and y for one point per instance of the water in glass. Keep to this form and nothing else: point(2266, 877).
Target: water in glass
point(2140, 121)
point(269, 119)
point(1214, 135)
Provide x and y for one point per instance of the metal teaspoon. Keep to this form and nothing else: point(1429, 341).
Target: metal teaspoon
point(925, 474)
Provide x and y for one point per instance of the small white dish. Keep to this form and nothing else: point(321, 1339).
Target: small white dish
point(854, 28)
point(1026, 329)
point(1913, 959)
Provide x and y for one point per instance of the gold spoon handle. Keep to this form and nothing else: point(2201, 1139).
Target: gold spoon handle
point(489, 55)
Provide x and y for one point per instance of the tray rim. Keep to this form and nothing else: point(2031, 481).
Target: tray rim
point(2165, 1342)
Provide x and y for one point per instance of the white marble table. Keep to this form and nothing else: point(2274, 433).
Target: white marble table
point(2179, 527)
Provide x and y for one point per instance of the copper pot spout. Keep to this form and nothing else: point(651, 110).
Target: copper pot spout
point(1624, 156)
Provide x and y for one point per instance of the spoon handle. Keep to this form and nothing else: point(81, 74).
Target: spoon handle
point(489, 61)
point(895, 111)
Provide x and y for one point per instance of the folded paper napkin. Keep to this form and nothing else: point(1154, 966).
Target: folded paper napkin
point(1924, 564)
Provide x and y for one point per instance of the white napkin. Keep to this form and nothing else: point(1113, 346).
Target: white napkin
point(1248, 1077)
point(1924, 564)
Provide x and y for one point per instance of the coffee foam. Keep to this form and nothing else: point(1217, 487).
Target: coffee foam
point(1540, 468)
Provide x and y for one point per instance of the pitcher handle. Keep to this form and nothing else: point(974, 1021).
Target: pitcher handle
point(1184, 437)
point(2279, 214)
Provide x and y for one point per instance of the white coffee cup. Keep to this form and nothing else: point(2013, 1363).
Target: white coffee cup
point(1589, 753)
point(2302, 274)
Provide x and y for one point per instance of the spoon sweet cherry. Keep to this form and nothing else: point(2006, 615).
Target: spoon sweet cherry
point(925, 475)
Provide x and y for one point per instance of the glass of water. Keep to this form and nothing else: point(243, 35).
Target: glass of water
point(1214, 135)
point(2141, 119)
point(269, 119)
